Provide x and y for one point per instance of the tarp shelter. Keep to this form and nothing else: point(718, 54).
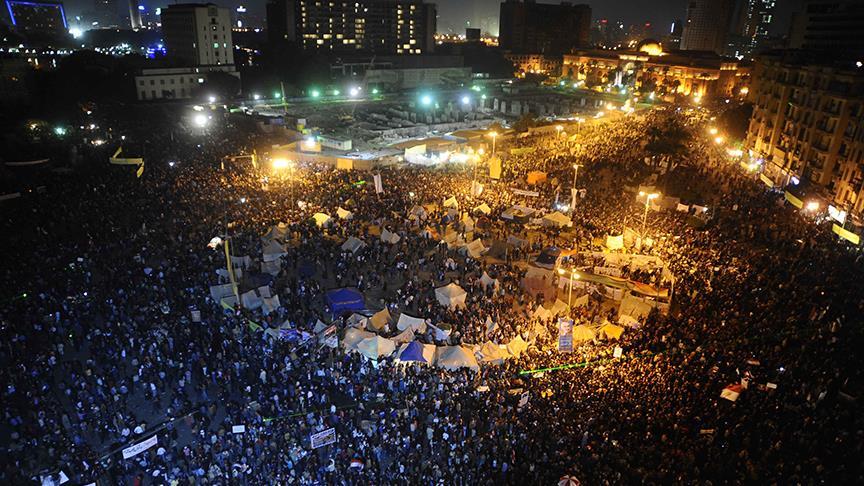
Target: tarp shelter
point(611, 331)
point(415, 323)
point(517, 346)
point(489, 352)
point(536, 177)
point(217, 292)
point(455, 357)
point(405, 336)
point(559, 308)
point(548, 257)
point(357, 320)
point(379, 320)
point(376, 346)
point(483, 208)
point(272, 251)
point(486, 281)
point(353, 336)
point(634, 307)
point(388, 237)
point(518, 214)
point(451, 295)
point(415, 351)
point(556, 220)
point(352, 244)
point(417, 212)
point(615, 242)
point(344, 213)
point(451, 202)
point(542, 313)
point(321, 219)
point(476, 249)
point(583, 333)
point(276, 232)
point(344, 300)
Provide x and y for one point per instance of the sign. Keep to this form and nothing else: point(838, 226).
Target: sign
point(837, 214)
point(521, 192)
point(140, 447)
point(565, 335)
point(846, 234)
point(238, 429)
point(324, 438)
point(618, 352)
point(767, 180)
point(793, 200)
point(494, 168)
point(379, 187)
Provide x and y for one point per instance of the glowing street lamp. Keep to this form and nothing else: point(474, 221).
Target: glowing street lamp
point(354, 92)
point(719, 139)
point(573, 276)
point(281, 164)
point(494, 136)
point(200, 120)
point(256, 97)
point(712, 131)
point(812, 206)
point(648, 199)
point(315, 93)
point(426, 100)
point(277, 95)
point(466, 100)
point(211, 99)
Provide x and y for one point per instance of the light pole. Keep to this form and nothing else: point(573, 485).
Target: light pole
point(648, 198)
point(494, 136)
point(559, 129)
point(573, 277)
point(573, 193)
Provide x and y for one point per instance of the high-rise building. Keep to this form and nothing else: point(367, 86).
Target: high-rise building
point(830, 25)
point(751, 22)
point(135, 9)
point(198, 34)
point(105, 12)
point(538, 28)
point(672, 38)
point(38, 19)
point(707, 25)
point(367, 26)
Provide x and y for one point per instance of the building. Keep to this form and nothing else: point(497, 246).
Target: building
point(807, 124)
point(527, 27)
point(750, 32)
point(39, 20)
point(396, 73)
point(380, 27)
point(650, 69)
point(536, 64)
point(198, 34)
point(105, 12)
point(472, 35)
point(135, 9)
point(178, 83)
point(672, 39)
point(707, 25)
point(830, 25)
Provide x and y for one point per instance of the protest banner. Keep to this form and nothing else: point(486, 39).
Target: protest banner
point(323, 438)
point(140, 447)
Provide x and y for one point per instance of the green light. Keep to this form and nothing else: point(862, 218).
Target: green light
point(483, 97)
point(315, 93)
point(475, 88)
point(60, 131)
point(374, 91)
point(335, 92)
point(277, 95)
point(561, 83)
point(426, 100)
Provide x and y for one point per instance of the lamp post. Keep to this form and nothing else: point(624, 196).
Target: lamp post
point(648, 198)
point(494, 136)
point(573, 193)
point(573, 277)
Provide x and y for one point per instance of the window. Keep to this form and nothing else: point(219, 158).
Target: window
point(143, 95)
point(153, 94)
point(215, 45)
point(162, 82)
point(140, 82)
point(152, 82)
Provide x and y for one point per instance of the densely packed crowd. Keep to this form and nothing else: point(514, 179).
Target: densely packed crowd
point(104, 271)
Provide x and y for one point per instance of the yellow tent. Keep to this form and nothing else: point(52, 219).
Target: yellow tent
point(611, 331)
point(583, 333)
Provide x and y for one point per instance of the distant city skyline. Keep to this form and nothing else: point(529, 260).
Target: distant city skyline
point(455, 15)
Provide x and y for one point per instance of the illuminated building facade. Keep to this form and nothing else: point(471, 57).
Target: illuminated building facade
point(807, 124)
point(650, 69)
point(540, 28)
point(198, 34)
point(385, 27)
point(526, 64)
point(40, 19)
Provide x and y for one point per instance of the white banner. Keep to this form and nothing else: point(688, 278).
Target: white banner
point(379, 187)
point(324, 438)
point(139, 447)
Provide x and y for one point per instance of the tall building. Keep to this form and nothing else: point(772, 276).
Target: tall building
point(539, 28)
point(707, 25)
point(807, 124)
point(198, 34)
point(38, 19)
point(752, 20)
point(105, 12)
point(367, 26)
point(135, 14)
point(830, 25)
point(672, 39)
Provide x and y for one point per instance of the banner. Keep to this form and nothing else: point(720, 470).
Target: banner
point(139, 447)
point(324, 438)
point(793, 200)
point(522, 151)
point(495, 168)
point(565, 335)
point(476, 188)
point(846, 234)
point(379, 187)
point(27, 163)
point(521, 192)
point(767, 180)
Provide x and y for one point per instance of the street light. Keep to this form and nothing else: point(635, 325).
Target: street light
point(573, 276)
point(718, 140)
point(256, 97)
point(200, 120)
point(648, 198)
point(573, 194)
point(280, 163)
point(494, 136)
point(559, 129)
point(712, 131)
point(812, 206)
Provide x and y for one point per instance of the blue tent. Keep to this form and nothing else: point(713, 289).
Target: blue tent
point(413, 352)
point(345, 300)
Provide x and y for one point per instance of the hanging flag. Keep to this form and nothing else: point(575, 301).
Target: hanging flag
point(379, 187)
point(140, 170)
point(476, 188)
point(494, 168)
point(731, 392)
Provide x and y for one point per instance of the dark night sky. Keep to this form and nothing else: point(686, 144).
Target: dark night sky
point(454, 14)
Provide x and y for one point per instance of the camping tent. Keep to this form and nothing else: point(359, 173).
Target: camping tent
point(345, 299)
point(516, 346)
point(344, 213)
point(273, 251)
point(451, 295)
point(536, 177)
point(483, 208)
point(486, 281)
point(556, 219)
point(451, 203)
point(376, 346)
point(455, 357)
point(388, 237)
point(352, 244)
point(379, 320)
point(417, 352)
point(489, 352)
point(611, 331)
point(415, 323)
point(405, 336)
point(353, 336)
point(276, 232)
point(321, 219)
point(583, 333)
point(476, 249)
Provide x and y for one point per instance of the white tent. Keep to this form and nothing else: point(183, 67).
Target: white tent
point(415, 323)
point(455, 357)
point(270, 304)
point(223, 272)
point(634, 307)
point(483, 208)
point(353, 336)
point(344, 213)
point(451, 203)
point(467, 223)
point(273, 251)
point(353, 244)
point(453, 239)
point(476, 249)
point(319, 326)
point(490, 352)
point(405, 336)
point(388, 237)
point(559, 308)
point(376, 346)
point(276, 232)
point(518, 211)
point(441, 331)
point(542, 313)
point(451, 295)
point(357, 320)
point(628, 321)
point(379, 320)
point(556, 219)
point(517, 346)
point(251, 300)
point(486, 281)
point(321, 219)
point(428, 353)
point(217, 292)
point(242, 261)
point(615, 242)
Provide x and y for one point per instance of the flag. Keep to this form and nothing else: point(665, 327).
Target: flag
point(379, 187)
point(140, 171)
point(476, 188)
point(494, 168)
point(731, 392)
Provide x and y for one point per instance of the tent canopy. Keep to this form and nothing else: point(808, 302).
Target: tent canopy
point(583, 333)
point(353, 336)
point(451, 295)
point(405, 336)
point(321, 219)
point(451, 202)
point(611, 331)
point(476, 249)
point(486, 281)
point(483, 208)
point(536, 177)
point(556, 219)
point(379, 320)
point(517, 346)
point(455, 357)
point(417, 352)
point(353, 244)
point(415, 323)
point(388, 237)
point(376, 346)
point(344, 213)
point(345, 299)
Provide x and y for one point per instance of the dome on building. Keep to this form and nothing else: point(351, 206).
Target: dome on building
point(650, 47)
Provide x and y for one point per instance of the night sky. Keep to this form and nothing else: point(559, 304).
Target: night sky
point(455, 14)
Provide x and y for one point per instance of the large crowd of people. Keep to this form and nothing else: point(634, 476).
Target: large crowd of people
point(112, 335)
